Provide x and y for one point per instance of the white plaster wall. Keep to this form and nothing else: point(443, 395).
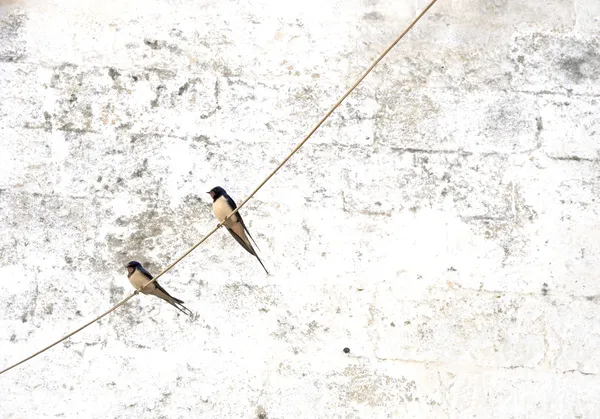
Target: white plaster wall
point(444, 225)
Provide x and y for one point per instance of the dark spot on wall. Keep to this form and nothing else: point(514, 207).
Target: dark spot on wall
point(583, 61)
point(47, 122)
point(346, 350)
point(113, 73)
point(572, 66)
point(125, 126)
point(261, 413)
point(538, 123)
point(200, 138)
point(140, 172)
point(152, 43)
point(177, 33)
point(373, 16)
point(159, 89)
point(13, 46)
point(183, 88)
point(544, 289)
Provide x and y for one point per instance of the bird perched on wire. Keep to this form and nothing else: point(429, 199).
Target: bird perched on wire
point(223, 205)
point(139, 276)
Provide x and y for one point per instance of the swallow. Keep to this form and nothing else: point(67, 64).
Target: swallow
point(138, 276)
point(223, 205)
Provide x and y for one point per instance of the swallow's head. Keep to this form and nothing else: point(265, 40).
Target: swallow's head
point(132, 266)
point(216, 192)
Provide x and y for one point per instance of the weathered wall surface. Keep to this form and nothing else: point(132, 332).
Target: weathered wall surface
point(444, 225)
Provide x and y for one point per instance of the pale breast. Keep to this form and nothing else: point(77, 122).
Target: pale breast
point(222, 209)
point(138, 280)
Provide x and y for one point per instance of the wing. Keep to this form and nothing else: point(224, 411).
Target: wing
point(246, 230)
point(144, 272)
point(242, 243)
point(233, 206)
point(160, 288)
point(231, 203)
point(246, 246)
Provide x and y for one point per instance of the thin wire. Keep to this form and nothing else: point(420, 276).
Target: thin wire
point(339, 102)
point(71, 334)
point(117, 305)
point(283, 162)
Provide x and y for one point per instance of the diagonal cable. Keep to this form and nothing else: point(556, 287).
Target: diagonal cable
point(283, 162)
